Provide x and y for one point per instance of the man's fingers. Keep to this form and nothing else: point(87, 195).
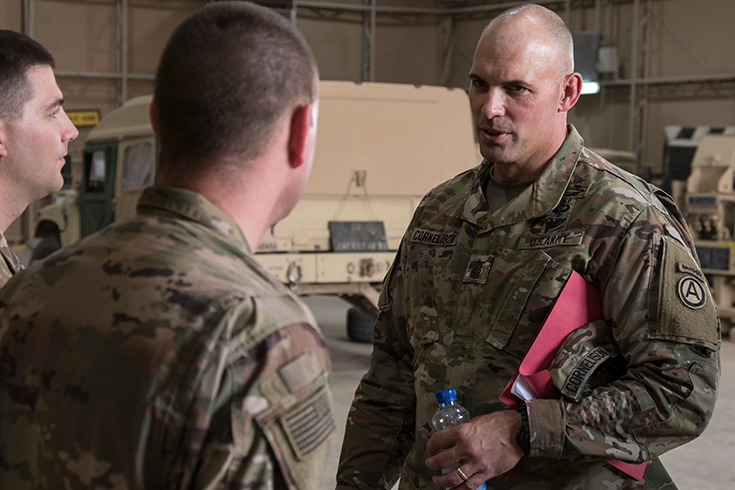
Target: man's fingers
point(442, 460)
point(449, 480)
point(443, 439)
point(454, 479)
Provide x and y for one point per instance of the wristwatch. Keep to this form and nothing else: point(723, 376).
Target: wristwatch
point(523, 438)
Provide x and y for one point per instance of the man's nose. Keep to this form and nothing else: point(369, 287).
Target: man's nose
point(494, 104)
point(70, 131)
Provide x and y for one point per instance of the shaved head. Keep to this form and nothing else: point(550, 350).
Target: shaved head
point(522, 83)
point(545, 24)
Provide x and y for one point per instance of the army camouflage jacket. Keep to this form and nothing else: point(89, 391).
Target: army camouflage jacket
point(469, 291)
point(158, 354)
point(9, 262)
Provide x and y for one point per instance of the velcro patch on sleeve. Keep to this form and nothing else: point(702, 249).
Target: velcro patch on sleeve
point(582, 371)
point(300, 372)
point(310, 424)
point(687, 312)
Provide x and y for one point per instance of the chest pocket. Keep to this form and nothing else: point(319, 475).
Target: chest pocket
point(433, 293)
point(527, 291)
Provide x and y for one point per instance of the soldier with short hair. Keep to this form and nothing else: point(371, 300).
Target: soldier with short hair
point(34, 134)
point(483, 262)
point(157, 353)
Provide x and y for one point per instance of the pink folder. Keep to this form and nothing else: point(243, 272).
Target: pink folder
point(578, 304)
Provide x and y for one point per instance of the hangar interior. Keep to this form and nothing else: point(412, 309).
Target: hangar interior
point(658, 63)
point(664, 69)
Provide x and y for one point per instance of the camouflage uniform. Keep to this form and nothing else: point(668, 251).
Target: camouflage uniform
point(470, 289)
point(158, 354)
point(9, 262)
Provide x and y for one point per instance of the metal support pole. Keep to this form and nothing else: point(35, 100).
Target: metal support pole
point(633, 79)
point(643, 104)
point(373, 28)
point(122, 52)
point(29, 17)
point(444, 50)
point(369, 20)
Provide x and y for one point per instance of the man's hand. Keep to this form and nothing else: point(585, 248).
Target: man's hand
point(484, 447)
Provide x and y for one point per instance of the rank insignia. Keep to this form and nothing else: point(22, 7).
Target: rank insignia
point(478, 269)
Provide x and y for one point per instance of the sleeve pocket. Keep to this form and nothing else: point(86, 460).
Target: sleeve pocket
point(686, 310)
point(300, 437)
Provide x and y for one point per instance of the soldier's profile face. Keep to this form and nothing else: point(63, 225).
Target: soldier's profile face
point(37, 142)
point(515, 93)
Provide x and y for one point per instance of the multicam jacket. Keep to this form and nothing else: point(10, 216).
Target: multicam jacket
point(9, 262)
point(158, 354)
point(470, 289)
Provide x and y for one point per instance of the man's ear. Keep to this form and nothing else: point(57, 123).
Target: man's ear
point(572, 89)
point(3, 139)
point(153, 115)
point(301, 123)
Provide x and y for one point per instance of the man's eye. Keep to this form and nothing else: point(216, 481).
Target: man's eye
point(516, 88)
point(477, 83)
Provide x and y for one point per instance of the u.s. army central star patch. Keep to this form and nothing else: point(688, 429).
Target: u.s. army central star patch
point(691, 293)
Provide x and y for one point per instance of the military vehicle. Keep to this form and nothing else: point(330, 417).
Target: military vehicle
point(710, 213)
point(380, 148)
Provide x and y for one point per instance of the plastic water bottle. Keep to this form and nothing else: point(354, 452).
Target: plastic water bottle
point(450, 414)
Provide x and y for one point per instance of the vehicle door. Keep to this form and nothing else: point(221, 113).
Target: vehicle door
point(97, 187)
point(136, 171)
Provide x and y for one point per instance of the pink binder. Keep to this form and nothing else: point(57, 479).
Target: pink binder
point(578, 304)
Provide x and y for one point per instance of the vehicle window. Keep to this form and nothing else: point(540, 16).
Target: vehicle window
point(96, 178)
point(137, 166)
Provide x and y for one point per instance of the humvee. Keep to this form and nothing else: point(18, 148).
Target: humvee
point(380, 148)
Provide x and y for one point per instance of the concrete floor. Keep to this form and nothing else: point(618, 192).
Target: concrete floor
point(707, 463)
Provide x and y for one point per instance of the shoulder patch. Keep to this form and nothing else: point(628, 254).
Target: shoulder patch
point(691, 293)
point(300, 372)
point(683, 267)
point(310, 425)
point(428, 237)
point(686, 310)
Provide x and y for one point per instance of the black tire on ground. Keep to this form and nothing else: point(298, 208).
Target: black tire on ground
point(48, 245)
point(360, 326)
point(726, 326)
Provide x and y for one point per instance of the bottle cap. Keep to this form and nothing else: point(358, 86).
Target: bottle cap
point(445, 396)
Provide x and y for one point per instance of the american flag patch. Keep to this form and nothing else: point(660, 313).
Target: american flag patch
point(309, 425)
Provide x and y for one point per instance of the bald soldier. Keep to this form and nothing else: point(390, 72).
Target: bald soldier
point(157, 353)
point(463, 311)
point(34, 134)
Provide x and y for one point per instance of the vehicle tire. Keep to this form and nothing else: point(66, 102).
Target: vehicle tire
point(726, 325)
point(48, 245)
point(360, 326)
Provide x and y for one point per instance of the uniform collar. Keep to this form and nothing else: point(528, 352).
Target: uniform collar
point(192, 206)
point(536, 200)
point(11, 260)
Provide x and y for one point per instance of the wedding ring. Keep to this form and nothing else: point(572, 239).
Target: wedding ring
point(461, 474)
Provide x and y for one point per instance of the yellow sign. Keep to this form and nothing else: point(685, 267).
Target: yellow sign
point(83, 119)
